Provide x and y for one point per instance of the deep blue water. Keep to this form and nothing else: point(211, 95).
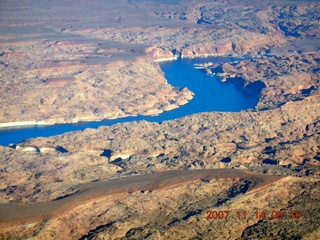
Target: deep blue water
point(210, 95)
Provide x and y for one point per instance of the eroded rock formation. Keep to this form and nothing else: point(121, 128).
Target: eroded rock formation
point(65, 63)
point(276, 79)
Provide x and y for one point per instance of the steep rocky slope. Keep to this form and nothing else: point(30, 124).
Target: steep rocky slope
point(176, 205)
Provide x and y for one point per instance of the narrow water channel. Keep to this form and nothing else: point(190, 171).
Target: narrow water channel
point(210, 95)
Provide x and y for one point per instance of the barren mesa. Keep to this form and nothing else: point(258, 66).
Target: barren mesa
point(211, 175)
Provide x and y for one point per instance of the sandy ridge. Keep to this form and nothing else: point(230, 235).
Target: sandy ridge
point(13, 213)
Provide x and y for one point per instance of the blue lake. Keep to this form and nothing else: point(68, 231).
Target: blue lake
point(210, 95)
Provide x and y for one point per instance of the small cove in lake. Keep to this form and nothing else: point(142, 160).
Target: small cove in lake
point(210, 95)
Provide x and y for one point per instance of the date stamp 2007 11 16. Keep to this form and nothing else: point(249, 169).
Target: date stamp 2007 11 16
point(293, 214)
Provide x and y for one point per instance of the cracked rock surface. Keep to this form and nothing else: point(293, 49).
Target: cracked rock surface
point(141, 180)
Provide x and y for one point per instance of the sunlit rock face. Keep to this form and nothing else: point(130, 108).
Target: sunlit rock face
point(88, 61)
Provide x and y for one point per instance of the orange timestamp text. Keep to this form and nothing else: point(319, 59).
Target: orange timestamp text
point(279, 214)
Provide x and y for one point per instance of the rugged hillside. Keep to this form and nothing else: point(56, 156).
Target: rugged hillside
point(250, 174)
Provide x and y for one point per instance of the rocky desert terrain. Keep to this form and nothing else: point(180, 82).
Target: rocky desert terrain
point(253, 174)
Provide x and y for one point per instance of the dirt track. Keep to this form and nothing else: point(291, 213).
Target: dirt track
point(12, 214)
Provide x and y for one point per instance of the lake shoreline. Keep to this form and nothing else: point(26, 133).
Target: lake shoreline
point(220, 97)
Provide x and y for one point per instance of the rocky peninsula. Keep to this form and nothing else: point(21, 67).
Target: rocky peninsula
point(259, 169)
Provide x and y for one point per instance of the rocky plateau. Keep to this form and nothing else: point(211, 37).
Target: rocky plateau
point(259, 169)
